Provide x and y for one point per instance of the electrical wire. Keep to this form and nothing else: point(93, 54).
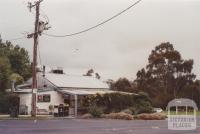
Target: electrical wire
point(99, 24)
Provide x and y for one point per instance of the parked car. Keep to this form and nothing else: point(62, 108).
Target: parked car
point(157, 110)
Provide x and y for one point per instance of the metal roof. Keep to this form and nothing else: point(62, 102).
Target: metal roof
point(74, 81)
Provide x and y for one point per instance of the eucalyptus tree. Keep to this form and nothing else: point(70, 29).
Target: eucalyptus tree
point(166, 74)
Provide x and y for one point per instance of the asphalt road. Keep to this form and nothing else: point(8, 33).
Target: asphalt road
point(82, 126)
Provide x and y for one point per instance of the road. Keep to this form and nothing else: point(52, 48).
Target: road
point(83, 126)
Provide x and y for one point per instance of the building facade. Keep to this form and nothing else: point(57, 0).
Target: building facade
point(56, 90)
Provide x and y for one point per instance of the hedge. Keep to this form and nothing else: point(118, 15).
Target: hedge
point(116, 102)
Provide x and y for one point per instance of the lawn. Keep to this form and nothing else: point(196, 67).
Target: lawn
point(182, 113)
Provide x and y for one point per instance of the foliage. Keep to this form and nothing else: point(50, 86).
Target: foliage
point(166, 75)
point(143, 107)
point(95, 111)
point(142, 104)
point(13, 102)
point(17, 78)
point(116, 102)
point(124, 85)
point(4, 107)
point(4, 73)
point(8, 103)
point(13, 60)
point(192, 91)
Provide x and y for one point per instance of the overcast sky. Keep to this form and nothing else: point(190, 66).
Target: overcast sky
point(120, 47)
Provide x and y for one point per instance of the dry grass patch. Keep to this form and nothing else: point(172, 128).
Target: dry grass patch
point(87, 116)
point(120, 115)
point(152, 116)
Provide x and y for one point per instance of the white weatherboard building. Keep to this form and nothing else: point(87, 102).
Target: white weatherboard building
point(58, 89)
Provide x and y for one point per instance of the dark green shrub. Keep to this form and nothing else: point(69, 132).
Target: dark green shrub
point(143, 107)
point(9, 104)
point(95, 111)
point(116, 102)
point(4, 107)
point(13, 102)
point(143, 104)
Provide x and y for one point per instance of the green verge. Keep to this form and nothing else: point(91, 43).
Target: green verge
point(182, 113)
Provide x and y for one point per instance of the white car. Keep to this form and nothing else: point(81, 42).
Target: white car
point(157, 110)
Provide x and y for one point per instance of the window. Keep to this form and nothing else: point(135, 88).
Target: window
point(44, 98)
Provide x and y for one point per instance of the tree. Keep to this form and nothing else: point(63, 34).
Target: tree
point(122, 84)
point(13, 60)
point(166, 75)
point(18, 79)
point(4, 73)
point(19, 60)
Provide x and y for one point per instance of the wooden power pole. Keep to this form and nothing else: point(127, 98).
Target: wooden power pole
point(35, 36)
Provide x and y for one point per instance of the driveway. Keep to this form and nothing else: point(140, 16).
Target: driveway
point(82, 126)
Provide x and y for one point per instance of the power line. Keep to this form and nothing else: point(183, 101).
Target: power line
point(99, 24)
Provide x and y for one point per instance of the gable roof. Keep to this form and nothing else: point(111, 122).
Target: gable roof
point(74, 81)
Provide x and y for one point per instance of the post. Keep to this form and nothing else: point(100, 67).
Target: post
point(34, 65)
point(186, 110)
point(39, 27)
point(76, 104)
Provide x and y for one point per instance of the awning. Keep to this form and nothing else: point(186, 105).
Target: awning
point(84, 92)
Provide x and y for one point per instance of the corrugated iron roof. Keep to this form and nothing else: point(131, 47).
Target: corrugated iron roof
point(74, 81)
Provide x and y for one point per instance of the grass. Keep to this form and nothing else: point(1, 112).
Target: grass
point(182, 113)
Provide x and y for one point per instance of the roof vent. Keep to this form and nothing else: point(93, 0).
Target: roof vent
point(58, 70)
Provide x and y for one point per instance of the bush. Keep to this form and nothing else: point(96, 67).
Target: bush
point(95, 111)
point(143, 107)
point(9, 104)
point(13, 102)
point(4, 107)
point(120, 115)
point(116, 102)
point(153, 116)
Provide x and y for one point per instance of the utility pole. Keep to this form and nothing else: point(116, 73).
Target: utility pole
point(39, 27)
